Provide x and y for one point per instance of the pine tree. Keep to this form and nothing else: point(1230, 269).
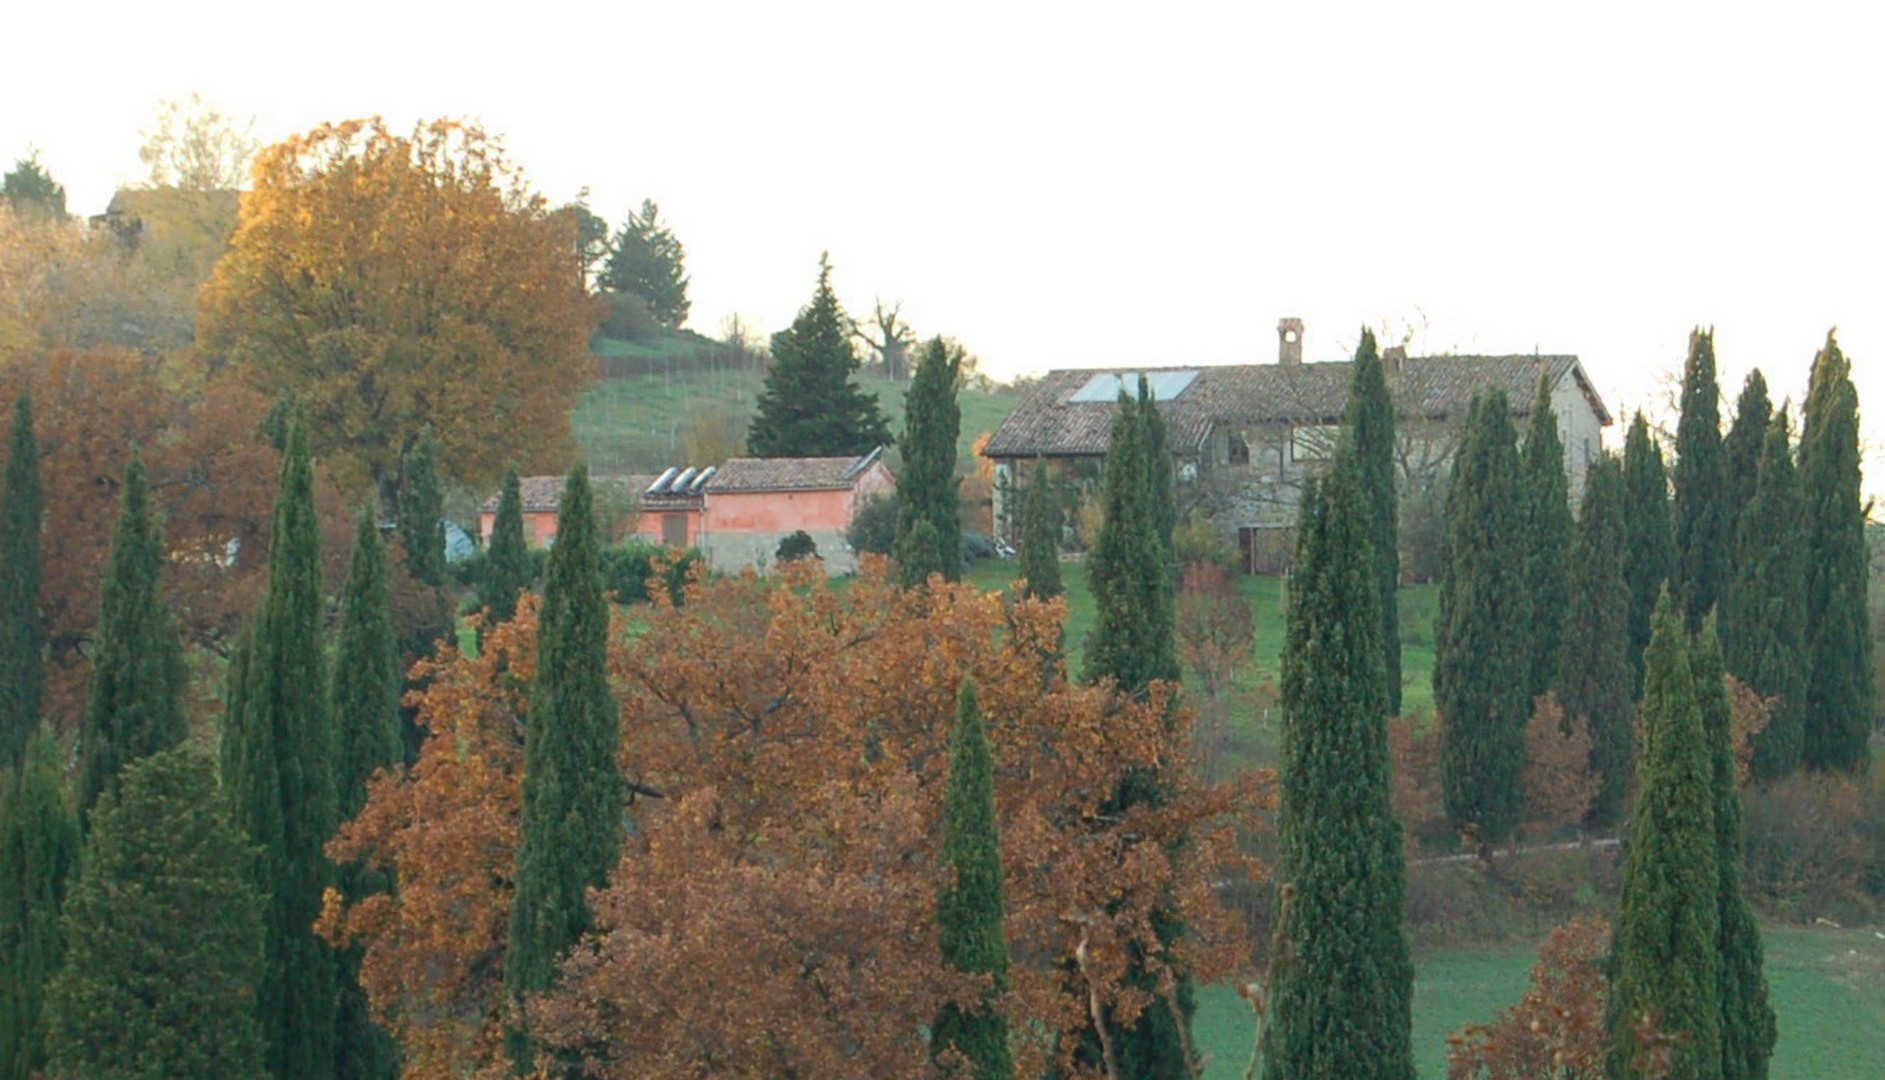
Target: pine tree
point(39, 854)
point(135, 707)
point(927, 489)
point(1371, 421)
point(572, 798)
point(648, 262)
point(1341, 1004)
point(422, 512)
point(1741, 452)
point(1548, 535)
point(1701, 485)
point(1839, 639)
point(22, 634)
point(1594, 677)
point(1668, 925)
point(809, 406)
point(32, 193)
point(1648, 543)
point(1747, 1020)
point(969, 908)
point(507, 569)
point(1132, 641)
point(278, 748)
point(1040, 539)
point(165, 933)
point(1482, 639)
point(1763, 618)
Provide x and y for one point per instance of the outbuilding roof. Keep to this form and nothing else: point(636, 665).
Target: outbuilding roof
point(544, 494)
point(790, 474)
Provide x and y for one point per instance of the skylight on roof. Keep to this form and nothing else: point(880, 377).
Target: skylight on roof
point(1106, 386)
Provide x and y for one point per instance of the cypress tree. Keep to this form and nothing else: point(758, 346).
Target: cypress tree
point(1741, 452)
point(22, 634)
point(1040, 539)
point(39, 854)
point(927, 488)
point(1648, 542)
point(1482, 639)
point(969, 907)
point(422, 512)
point(1763, 620)
point(1161, 497)
point(1594, 678)
point(135, 707)
point(1701, 485)
point(165, 931)
point(1341, 1004)
point(1371, 421)
point(1839, 639)
point(918, 553)
point(1548, 537)
point(809, 406)
point(1747, 1020)
point(1132, 641)
point(507, 569)
point(572, 797)
point(278, 748)
point(1668, 923)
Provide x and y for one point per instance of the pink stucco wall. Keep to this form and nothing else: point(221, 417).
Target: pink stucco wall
point(649, 526)
point(786, 511)
point(540, 527)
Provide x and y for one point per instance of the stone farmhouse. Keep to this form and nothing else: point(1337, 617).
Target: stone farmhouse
point(1245, 436)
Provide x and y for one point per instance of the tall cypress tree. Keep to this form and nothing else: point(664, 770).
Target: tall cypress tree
point(1548, 535)
point(572, 798)
point(1371, 422)
point(1040, 539)
point(969, 908)
point(1839, 639)
point(1161, 494)
point(1701, 484)
point(1341, 1003)
point(1741, 452)
point(1594, 677)
point(1482, 640)
point(166, 935)
point(927, 489)
point(1747, 1020)
point(39, 854)
point(1763, 619)
point(809, 406)
point(1668, 924)
point(22, 634)
point(135, 707)
point(1132, 641)
point(507, 569)
point(422, 512)
point(1648, 543)
point(278, 748)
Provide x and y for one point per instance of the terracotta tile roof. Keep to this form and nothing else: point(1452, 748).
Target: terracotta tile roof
point(790, 474)
point(544, 494)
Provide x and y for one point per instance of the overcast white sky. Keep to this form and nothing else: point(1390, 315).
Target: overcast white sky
point(1083, 184)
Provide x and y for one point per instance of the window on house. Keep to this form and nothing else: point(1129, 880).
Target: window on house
point(1313, 442)
point(674, 530)
point(1237, 451)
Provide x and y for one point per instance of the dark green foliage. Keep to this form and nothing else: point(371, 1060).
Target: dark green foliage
point(1648, 544)
point(165, 933)
point(646, 261)
point(31, 192)
point(1594, 680)
point(1548, 532)
point(927, 487)
point(1741, 450)
point(1341, 1004)
point(1701, 484)
point(39, 853)
point(1482, 638)
point(1839, 639)
point(507, 568)
point(422, 512)
point(278, 748)
point(797, 544)
point(874, 525)
point(135, 707)
point(1371, 425)
point(1161, 499)
point(1040, 539)
point(809, 406)
point(572, 797)
point(22, 633)
point(969, 907)
point(918, 554)
point(633, 571)
point(1132, 641)
point(1747, 1020)
point(1668, 924)
point(1763, 617)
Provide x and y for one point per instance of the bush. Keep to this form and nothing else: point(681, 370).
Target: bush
point(798, 545)
point(629, 319)
point(468, 572)
point(977, 545)
point(629, 569)
point(1196, 540)
point(1807, 849)
point(874, 526)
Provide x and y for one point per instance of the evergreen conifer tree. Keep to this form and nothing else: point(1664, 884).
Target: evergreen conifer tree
point(1132, 641)
point(648, 262)
point(572, 797)
point(1040, 539)
point(927, 489)
point(1161, 497)
point(918, 552)
point(1548, 534)
point(165, 936)
point(809, 406)
point(507, 569)
point(422, 512)
point(278, 748)
point(1839, 639)
point(135, 707)
point(39, 855)
point(1648, 543)
point(1763, 617)
point(1668, 924)
point(1371, 421)
point(1741, 451)
point(1701, 485)
point(969, 910)
point(1482, 639)
point(22, 634)
point(1341, 1004)
point(1594, 677)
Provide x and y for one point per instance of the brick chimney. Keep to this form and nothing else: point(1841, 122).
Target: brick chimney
point(1289, 341)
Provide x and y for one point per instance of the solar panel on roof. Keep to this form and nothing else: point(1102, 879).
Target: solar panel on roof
point(1106, 386)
